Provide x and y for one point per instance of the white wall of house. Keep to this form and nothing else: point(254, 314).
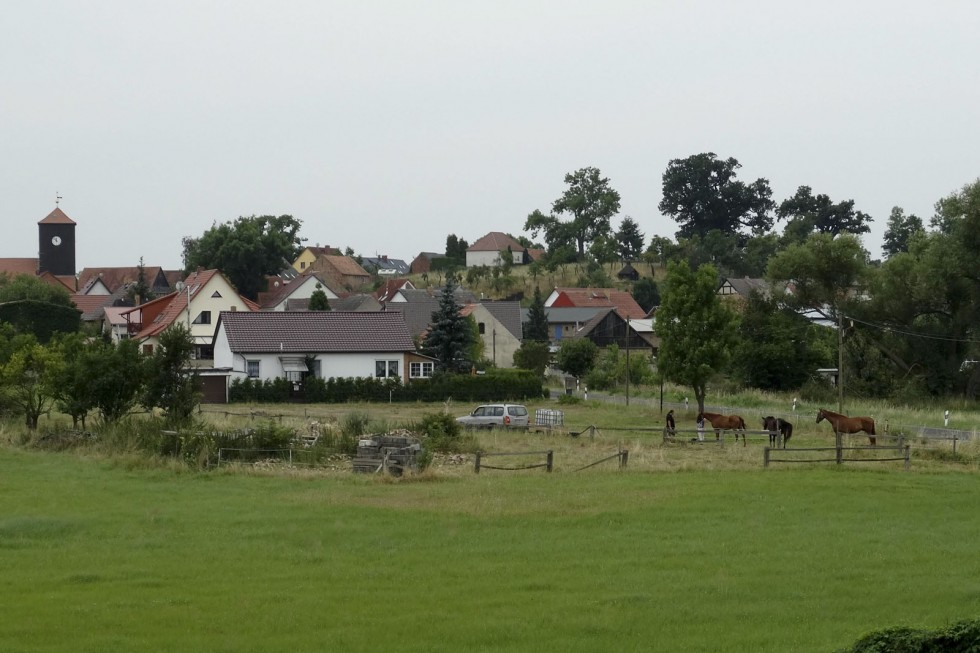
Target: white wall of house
point(303, 288)
point(207, 302)
point(499, 344)
point(476, 259)
point(339, 365)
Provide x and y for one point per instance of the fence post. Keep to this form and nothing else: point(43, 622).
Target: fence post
point(907, 464)
point(765, 457)
point(954, 443)
point(840, 447)
point(477, 468)
point(550, 459)
point(624, 457)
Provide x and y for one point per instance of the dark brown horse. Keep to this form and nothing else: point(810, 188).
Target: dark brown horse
point(777, 426)
point(845, 424)
point(725, 422)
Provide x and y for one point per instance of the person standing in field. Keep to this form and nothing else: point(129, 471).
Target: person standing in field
point(701, 429)
point(671, 427)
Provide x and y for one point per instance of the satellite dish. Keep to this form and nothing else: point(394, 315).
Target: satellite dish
point(179, 286)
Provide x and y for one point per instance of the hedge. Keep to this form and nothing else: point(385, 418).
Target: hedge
point(496, 385)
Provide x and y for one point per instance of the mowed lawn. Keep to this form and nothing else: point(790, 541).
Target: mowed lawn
point(98, 556)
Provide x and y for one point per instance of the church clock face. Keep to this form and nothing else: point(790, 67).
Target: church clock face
point(56, 241)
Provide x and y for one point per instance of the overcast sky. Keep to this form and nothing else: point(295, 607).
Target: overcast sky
point(386, 126)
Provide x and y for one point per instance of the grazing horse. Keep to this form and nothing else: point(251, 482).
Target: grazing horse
point(777, 425)
point(720, 422)
point(845, 424)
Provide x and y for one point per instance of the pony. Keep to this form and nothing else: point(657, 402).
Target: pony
point(845, 424)
point(720, 422)
point(777, 426)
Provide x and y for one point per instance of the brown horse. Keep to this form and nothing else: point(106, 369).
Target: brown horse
point(845, 424)
point(725, 422)
point(777, 426)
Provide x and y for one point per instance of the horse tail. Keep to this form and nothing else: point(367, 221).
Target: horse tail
point(873, 427)
point(741, 423)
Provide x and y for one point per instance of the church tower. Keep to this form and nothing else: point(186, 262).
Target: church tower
point(56, 250)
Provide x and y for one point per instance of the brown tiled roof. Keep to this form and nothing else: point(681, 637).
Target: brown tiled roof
point(15, 266)
point(315, 332)
point(91, 306)
point(621, 300)
point(346, 266)
point(390, 287)
point(115, 278)
point(536, 254)
point(496, 241)
point(56, 217)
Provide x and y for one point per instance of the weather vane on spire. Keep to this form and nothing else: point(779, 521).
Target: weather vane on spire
point(57, 198)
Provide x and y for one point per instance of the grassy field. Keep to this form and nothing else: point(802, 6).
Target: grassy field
point(112, 554)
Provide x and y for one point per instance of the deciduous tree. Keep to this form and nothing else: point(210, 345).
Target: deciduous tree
point(817, 213)
point(696, 330)
point(900, 231)
point(246, 250)
point(171, 382)
point(589, 201)
point(702, 194)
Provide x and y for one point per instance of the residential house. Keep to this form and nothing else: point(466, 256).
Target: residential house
point(197, 302)
point(564, 322)
point(311, 254)
point(384, 266)
point(390, 287)
point(742, 288)
point(499, 325)
point(341, 272)
point(106, 281)
point(286, 296)
point(423, 262)
point(608, 327)
point(417, 306)
point(490, 249)
point(620, 300)
point(327, 344)
point(358, 302)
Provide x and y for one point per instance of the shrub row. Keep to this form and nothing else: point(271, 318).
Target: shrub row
point(496, 385)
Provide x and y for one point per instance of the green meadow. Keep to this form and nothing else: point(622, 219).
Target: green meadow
point(103, 553)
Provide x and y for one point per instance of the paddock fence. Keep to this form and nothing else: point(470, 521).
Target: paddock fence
point(622, 456)
point(548, 464)
point(881, 453)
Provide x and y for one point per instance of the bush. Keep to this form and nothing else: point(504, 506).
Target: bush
point(495, 385)
point(441, 432)
point(961, 637)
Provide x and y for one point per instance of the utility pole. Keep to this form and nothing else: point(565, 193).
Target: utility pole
point(627, 361)
point(840, 360)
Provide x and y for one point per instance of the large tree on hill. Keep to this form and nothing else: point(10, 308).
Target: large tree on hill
point(810, 213)
point(450, 335)
point(246, 250)
point(589, 201)
point(701, 194)
point(696, 330)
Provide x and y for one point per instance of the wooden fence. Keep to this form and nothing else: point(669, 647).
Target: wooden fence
point(839, 456)
point(548, 464)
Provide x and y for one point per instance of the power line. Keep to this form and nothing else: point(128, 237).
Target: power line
point(912, 334)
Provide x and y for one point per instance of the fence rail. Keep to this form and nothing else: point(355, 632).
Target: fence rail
point(839, 458)
point(548, 464)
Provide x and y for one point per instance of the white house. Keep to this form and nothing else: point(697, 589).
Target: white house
point(296, 293)
point(489, 250)
point(292, 345)
point(197, 303)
